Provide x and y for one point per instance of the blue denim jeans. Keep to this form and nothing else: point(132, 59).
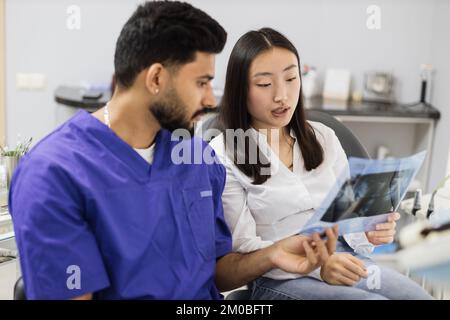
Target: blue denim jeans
point(382, 284)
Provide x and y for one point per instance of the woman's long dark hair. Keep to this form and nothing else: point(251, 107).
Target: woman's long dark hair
point(233, 107)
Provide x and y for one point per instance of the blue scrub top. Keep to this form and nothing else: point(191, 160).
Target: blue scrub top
point(91, 215)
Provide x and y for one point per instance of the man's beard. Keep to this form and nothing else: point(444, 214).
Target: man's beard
point(171, 113)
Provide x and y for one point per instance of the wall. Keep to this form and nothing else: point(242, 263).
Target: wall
point(38, 41)
point(327, 33)
point(441, 92)
point(2, 73)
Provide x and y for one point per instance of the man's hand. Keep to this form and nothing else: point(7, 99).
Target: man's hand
point(343, 269)
point(384, 232)
point(300, 254)
point(295, 254)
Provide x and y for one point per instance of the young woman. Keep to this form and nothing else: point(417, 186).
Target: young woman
point(270, 193)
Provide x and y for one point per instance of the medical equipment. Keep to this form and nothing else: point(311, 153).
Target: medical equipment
point(417, 202)
point(378, 87)
point(431, 204)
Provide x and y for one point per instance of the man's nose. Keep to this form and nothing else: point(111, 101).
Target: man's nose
point(209, 100)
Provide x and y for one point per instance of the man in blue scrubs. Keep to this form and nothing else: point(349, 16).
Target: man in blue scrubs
point(101, 209)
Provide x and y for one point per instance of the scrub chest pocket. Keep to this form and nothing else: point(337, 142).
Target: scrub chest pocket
point(200, 214)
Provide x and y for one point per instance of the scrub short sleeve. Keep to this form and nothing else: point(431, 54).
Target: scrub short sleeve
point(223, 235)
point(58, 252)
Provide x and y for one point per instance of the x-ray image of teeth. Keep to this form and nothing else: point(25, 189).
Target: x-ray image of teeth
point(368, 195)
point(374, 189)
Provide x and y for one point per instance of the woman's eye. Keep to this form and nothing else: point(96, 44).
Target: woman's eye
point(202, 84)
point(263, 85)
point(291, 79)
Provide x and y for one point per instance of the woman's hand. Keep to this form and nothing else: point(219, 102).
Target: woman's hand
point(300, 254)
point(343, 269)
point(384, 232)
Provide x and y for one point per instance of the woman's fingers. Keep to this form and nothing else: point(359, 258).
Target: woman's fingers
point(391, 224)
point(382, 234)
point(332, 239)
point(325, 248)
point(310, 254)
point(394, 217)
point(383, 240)
point(320, 247)
point(386, 226)
point(336, 230)
point(343, 280)
point(349, 274)
point(355, 266)
point(357, 261)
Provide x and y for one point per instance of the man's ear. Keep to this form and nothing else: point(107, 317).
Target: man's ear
point(155, 78)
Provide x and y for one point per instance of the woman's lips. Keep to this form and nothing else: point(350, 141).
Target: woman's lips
point(281, 111)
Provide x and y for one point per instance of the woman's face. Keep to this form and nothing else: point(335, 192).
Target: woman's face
point(274, 88)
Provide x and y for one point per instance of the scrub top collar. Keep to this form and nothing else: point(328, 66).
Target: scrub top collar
point(141, 169)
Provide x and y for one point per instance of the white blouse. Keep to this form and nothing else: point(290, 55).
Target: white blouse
point(259, 215)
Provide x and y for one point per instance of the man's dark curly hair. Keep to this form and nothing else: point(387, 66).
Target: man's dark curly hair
point(167, 32)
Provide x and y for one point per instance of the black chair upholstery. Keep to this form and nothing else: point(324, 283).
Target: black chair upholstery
point(350, 143)
point(19, 290)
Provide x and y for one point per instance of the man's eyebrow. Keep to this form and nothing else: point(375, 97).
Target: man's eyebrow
point(260, 74)
point(206, 77)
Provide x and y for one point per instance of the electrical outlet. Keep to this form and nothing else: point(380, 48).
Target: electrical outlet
point(30, 81)
point(22, 81)
point(37, 81)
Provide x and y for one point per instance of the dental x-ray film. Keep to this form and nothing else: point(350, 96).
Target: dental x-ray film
point(374, 189)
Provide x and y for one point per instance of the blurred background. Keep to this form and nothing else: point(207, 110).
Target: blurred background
point(48, 44)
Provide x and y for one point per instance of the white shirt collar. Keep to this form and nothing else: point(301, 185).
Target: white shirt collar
point(257, 132)
point(265, 148)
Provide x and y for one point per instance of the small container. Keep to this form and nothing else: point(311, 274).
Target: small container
point(3, 185)
point(10, 165)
